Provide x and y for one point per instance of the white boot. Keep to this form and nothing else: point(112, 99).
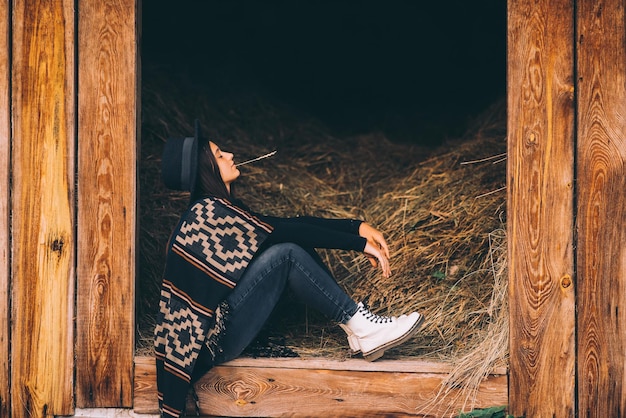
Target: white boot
point(374, 334)
point(353, 341)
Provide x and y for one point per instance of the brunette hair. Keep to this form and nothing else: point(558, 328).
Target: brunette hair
point(209, 179)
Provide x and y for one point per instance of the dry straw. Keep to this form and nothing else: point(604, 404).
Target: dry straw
point(442, 212)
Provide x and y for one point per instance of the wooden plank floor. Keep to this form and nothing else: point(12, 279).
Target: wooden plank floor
point(318, 387)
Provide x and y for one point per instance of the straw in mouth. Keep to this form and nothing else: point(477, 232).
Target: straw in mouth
point(269, 154)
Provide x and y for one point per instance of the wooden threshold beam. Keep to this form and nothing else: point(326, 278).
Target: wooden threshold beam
point(299, 387)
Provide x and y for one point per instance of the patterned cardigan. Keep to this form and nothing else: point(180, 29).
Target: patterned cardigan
point(207, 254)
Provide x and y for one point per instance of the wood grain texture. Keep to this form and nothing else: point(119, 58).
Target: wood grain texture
point(301, 388)
point(5, 148)
point(601, 244)
point(107, 201)
point(540, 179)
point(43, 239)
point(355, 364)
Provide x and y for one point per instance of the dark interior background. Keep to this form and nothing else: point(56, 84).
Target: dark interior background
point(417, 70)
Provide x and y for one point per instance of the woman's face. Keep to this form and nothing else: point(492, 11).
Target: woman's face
point(225, 162)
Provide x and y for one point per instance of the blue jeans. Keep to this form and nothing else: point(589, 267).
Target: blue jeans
point(260, 288)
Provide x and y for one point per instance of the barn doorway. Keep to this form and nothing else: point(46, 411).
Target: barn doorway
point(347, 92)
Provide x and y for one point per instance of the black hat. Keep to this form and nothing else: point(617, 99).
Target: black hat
point(179, 164)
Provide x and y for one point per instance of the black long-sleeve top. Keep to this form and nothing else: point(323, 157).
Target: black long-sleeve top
point(314, 232)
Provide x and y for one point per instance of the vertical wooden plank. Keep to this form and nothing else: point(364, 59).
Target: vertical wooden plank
point(5, 144)
point(107, 209)
point(540, 207)
point(601, 246)
point(43, 238)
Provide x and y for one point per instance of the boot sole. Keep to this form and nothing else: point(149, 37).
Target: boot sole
point(379, 351)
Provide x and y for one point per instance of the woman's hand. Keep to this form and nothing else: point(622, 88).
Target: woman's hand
point(376, 243)
point(376, 249)
point(373, 235)
point(377, 257)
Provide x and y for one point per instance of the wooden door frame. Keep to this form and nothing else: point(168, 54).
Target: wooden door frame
point(69, 138)
point(540, 207)
point(567, 212)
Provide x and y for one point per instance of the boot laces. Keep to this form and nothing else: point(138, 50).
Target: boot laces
point(377, 319)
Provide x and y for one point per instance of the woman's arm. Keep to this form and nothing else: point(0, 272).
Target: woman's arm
point(344, 225)
point(346, 234)
point(312, 235)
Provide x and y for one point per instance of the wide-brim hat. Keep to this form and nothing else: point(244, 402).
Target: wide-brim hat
point(179, 163)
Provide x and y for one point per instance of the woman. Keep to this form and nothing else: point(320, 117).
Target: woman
point(227, 267)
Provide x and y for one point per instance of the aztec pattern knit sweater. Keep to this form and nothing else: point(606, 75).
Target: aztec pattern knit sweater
point(208, 252)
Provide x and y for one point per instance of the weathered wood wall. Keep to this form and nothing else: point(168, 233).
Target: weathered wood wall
point(68, 82)
point(107, 201)
point(43, 214)
point(601, 212)
point(567, 207)
point(5, 149)
point(540, 216)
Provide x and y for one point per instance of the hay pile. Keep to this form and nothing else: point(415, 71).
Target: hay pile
point(442, 212)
